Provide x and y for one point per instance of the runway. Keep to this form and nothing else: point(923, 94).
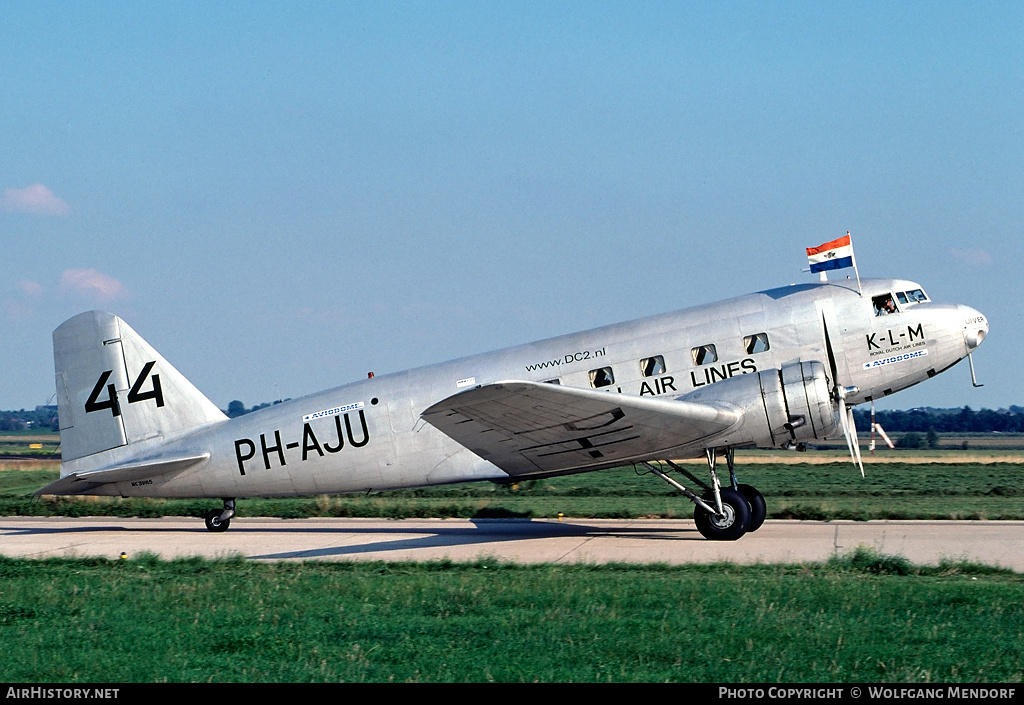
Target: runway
point(598, 541)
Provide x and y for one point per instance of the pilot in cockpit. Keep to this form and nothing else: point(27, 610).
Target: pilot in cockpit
point(884, 305)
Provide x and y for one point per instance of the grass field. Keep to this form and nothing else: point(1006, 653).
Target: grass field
point(862, 618)
point(25, 444)
point(980, 447)
point(894, 490)
point(983, 482)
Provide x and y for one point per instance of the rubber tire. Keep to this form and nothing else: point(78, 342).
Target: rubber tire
point(758, 508)
point(214, 522)
point(733, 526)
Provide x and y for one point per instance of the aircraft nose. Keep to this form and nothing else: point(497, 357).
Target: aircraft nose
point(975, 327)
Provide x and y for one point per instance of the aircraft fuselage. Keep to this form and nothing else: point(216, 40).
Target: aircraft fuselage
point(369, 435)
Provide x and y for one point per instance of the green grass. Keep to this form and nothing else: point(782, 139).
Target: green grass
point(18, 444)
point(864, 617)
point(802, 491)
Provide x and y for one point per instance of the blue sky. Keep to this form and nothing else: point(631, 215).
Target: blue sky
point(281, 197)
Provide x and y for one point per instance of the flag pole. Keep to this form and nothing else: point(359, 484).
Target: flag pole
point(853, 256)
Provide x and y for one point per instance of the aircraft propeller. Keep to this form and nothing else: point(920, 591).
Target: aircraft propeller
point(848, 424)
point(839, 393)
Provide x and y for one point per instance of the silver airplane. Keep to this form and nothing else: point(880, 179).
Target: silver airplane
point(774, 369)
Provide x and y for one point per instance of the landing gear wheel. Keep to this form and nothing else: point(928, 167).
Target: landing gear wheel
point(730, 526)
point(214, 522)
point(758, 509)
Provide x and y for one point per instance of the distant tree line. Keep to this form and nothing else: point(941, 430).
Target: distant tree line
point(922, 420)
point(42, 418)
point(965, 420)
point(237, 408)
point(915, 440)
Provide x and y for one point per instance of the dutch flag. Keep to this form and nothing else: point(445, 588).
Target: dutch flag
point(832, 255)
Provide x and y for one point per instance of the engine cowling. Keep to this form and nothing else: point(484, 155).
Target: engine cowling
point(779, 407)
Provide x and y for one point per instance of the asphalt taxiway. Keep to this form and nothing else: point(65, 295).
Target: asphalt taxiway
point(998, 543)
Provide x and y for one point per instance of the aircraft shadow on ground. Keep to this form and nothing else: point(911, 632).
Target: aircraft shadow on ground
point(406, 538)
point(484, 532)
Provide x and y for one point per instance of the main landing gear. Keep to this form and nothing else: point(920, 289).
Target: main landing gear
point(722, 513)
point(219, 519)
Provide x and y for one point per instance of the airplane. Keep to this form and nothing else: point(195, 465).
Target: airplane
point(773, 369)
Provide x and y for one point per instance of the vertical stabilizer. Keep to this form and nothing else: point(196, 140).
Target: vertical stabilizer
point(114, 390)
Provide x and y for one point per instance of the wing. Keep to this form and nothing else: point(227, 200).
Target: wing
point(526, 428)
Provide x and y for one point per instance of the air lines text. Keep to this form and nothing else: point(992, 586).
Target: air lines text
point(709, 374)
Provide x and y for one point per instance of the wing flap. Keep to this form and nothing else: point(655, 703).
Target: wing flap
point(527, 427)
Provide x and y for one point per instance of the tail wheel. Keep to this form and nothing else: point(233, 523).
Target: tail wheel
point(758, 509)
point(214, 522)
point(734, 520)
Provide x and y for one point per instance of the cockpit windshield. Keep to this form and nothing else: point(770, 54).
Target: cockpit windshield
point(884, 304)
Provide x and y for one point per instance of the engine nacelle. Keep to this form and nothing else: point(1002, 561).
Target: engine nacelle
point(779, 406)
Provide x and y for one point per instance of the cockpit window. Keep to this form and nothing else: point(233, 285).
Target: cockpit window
point(909, 298)
point(884, 305)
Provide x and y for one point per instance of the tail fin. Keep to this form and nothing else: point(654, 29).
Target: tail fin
point(114, 390)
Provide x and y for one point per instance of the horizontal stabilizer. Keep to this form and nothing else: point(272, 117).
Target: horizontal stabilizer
point(528, 428)
point(77, 483)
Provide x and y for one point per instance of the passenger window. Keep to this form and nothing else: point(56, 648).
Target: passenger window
point(601, 377)
point(704, 354)
point(884, 305)
point(757, 343)
point(652, 366)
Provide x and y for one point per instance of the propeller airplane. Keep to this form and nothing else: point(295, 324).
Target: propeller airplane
point(773, 369)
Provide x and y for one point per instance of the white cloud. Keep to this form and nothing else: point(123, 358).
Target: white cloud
point(30, 288)
point(90, 282)
point(972, 257)
point(35, 199)
point(18, 310)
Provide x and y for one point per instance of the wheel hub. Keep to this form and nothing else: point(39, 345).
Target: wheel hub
point(726, 518)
